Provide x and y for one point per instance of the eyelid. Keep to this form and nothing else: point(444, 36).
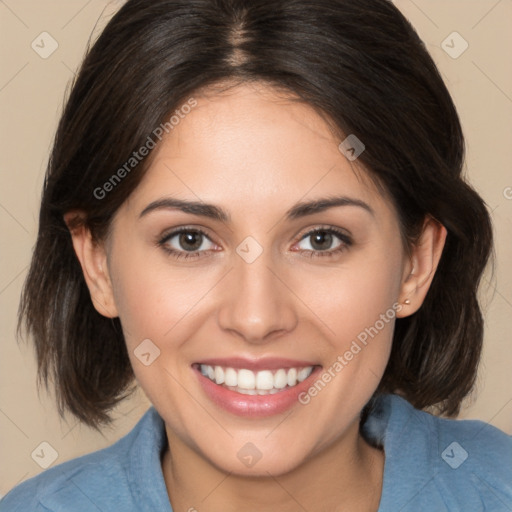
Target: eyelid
point(341, 232)
point(169, 233)
point(163, 239)
point(345, 243)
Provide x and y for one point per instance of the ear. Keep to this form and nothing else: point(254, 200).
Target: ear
point(421, 266)
point(93, 260)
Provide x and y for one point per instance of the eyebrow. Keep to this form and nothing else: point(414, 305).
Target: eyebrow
point(214, 212)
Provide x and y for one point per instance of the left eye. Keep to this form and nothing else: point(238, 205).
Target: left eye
point(323, 240)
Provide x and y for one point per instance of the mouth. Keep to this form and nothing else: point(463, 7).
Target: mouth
point(255, 388)
point(249, 382)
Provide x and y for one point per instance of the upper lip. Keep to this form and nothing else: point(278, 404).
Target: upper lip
point(266, 363)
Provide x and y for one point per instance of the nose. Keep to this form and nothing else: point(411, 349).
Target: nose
point(257, 304)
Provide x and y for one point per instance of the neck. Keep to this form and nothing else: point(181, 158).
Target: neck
point(346, 475)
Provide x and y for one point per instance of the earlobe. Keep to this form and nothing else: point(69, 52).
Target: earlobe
point(420, 270)
point(93, 260)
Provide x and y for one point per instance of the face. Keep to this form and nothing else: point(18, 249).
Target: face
point(257, 325)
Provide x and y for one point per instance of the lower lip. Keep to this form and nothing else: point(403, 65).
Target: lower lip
point(254, 405)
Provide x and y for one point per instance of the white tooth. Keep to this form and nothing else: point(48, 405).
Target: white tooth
point(246, 391)
point(292, 377)
point(203, 370)
point(304, 373)
point(280, 379)
point(246, 379)
point(231, 377)
point(250, 383)
point(264, 380)
point(219, 375)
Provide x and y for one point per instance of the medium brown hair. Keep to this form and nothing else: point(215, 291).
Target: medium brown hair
point(359, 62)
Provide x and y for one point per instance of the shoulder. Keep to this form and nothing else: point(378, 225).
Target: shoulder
point(474, 462)
point(460, 463)
point(102, 477)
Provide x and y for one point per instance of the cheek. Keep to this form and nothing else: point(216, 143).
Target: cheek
point(353, 296)
point(158, 300)
point(158, 304)
point(356, 306)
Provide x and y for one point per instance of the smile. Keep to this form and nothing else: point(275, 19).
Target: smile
point(248, 382)
point(254, 388)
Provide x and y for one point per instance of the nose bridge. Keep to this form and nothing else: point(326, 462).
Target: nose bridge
point(255, 303)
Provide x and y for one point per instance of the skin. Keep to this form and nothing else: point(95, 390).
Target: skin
point(255, 154)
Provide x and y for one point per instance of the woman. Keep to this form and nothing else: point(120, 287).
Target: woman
point(256, 209)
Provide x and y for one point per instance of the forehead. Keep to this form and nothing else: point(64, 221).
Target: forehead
point(252, 147)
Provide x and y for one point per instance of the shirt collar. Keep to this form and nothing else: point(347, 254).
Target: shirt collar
point(392, 423)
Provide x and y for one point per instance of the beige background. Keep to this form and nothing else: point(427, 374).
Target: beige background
point(31, 97)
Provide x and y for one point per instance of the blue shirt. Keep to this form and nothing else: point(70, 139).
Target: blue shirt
point(431, 464)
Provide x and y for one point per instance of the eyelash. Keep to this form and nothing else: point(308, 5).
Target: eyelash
point(345, 240)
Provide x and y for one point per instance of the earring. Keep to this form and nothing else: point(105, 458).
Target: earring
point(407, 302)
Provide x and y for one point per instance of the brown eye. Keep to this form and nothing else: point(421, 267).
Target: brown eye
point(190, 241)
point(324, 242)
point(186, 243)
point(321, 240)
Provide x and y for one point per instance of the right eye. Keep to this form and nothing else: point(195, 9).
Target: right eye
point(186, 243)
